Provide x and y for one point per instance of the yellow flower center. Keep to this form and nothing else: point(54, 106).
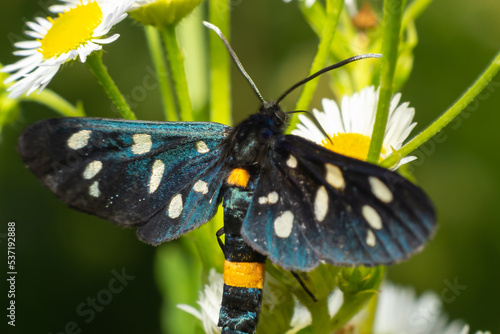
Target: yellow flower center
point(353, 145)
point(71, 29)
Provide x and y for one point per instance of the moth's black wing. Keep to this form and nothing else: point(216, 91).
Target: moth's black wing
point(311, 204)
point(162, 177)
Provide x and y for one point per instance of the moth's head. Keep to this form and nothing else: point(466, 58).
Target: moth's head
point(277, 117)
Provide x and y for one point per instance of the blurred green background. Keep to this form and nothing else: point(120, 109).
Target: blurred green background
point(65, 257)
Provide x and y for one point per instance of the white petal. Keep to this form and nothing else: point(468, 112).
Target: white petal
point(191, 310)
point(403, 161)
point(310, 130)
point(335, 301)
point(57, 9)
point(28, 45)
point(333, 120)
point(21, 73)
point(25, 53)
point(108, 40)
point(43, 22)
point(301, 318)
point(36, 28)
point(345, 113)
point(404, 135)
point(35, 59)
point(34, 34)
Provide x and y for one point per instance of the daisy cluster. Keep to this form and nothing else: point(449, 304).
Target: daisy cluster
point(399, 311)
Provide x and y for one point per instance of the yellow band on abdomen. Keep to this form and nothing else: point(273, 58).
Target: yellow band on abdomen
point(244, 274)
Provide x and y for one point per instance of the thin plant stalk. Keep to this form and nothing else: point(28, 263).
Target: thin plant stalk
point(158, 57)
point(55, 102)
point(467, 97)
point(94, 62)
point(176, 61)
point(333, 10)
point(393, 14)
point(220, 82)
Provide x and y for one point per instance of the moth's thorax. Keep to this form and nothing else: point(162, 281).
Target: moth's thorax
point(251, 140)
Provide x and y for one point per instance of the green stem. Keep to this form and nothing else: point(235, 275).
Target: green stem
point(320, 316)
point(220, 99)
point(349, 309)
point(359, 286)
point(333, 10)
point(158, 57)
point(220, 80)
point(176, 61)
point(54, 101)
point(94, 62)
point(466, 98)
point(393, 14)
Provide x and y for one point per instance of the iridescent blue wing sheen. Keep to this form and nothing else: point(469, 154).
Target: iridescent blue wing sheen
point(311, 204)
point(162, 177)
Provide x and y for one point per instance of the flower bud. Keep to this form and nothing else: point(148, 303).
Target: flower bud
point(162, 12)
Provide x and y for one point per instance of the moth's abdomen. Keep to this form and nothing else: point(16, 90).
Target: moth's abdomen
point(244, 268)
point(242, 296)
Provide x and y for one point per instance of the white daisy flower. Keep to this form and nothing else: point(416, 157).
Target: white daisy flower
point(399, 311)
point(80, 28)
point(209, 301)
point(350, 126)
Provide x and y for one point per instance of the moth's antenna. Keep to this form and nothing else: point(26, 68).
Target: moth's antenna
point(235, 58)
point(326, 69)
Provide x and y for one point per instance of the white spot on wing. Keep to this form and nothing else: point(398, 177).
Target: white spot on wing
point(79, 139)
point(334, 176)
point(263, 200)
point(370, 238)
point(291, 162)
point(92, 169)
point(175, 207)
point(201, 147)
point(321, 203)
point(372, 217)
point(200, 187)
point(283, 225)
point(380, 189)
point(273, 197)
point(156, 175)
point(142, 143)
point(94, 189)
